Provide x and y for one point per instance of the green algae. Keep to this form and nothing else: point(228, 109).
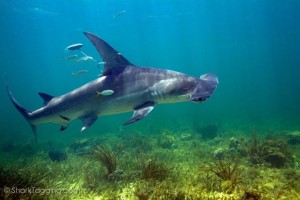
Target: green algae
point(185, 170)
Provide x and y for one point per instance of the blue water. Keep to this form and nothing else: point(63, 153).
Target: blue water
point(253, 47)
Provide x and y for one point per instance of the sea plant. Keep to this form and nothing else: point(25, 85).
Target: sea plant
point(106, 157)
point(273, 151)
point(152, 169)
point(19, 184)
point(254, 150)
point(229, 173)
point(209, 181)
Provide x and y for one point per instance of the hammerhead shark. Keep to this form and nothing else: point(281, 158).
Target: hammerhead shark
point(122, 87)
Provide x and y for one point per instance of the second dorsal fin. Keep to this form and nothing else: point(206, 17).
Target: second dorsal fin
point(46, 97)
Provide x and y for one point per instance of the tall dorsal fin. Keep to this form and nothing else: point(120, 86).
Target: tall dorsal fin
point(114, 61)
point(46, 97)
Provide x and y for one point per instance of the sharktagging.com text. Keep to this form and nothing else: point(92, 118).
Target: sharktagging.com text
point(40, 191)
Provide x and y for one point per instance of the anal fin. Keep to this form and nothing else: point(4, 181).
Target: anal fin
point(63, 127)
point(140, 112)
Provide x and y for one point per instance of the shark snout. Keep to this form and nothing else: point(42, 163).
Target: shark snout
point(206, 85)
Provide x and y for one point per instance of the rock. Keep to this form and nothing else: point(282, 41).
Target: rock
point(209, 132)
point(234, 143)
point(293, 137)
point(167, 141)
point(276, 159)
point(7, 147)
point(57, 155)
point(186, 136)
point(219, 153)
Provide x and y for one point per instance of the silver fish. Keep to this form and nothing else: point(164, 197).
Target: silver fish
point(80, 72)
point(74, 46)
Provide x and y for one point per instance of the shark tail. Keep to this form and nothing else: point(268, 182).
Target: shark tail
point(23, 111)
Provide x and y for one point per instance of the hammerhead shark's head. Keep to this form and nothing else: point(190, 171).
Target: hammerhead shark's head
point(122, 87)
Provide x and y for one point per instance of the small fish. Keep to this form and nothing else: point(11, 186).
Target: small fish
point(80, 72)
point(74, 46)
point(119, 13)
point(42, 11)
point(85, 59)
point(101, 63)
point(105, 92)
point(70, 57)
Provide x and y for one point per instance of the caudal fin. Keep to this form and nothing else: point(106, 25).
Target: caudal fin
point(23, 111)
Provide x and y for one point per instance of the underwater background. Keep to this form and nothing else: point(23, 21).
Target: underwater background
point(242, 143)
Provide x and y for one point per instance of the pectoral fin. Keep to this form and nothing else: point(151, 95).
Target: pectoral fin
point(87, 122)
point(140, 112)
